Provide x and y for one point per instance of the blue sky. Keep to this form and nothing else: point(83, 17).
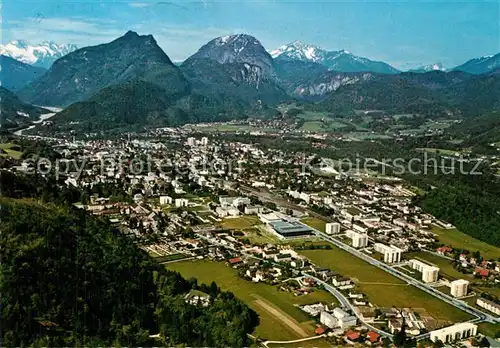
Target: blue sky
point(402, 33)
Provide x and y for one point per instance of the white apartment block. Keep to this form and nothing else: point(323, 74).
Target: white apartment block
point(328, 320)
point(454, 333)
point(181, 202)
point(459, 287)
point(391, 253)
point(359, 240)
point(191, 141)
point(204, 141)
point(489, 305)
point(165, 200)
point(332, 228)
point(429, 273)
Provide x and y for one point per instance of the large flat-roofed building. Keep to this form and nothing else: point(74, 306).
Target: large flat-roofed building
point(332, 228)
point(289, 229)
point(429, 273)
point(391, 253)
point(328, 320)
point(454, 333)
point(489, 305)
point(458, 288)
point(359, 240)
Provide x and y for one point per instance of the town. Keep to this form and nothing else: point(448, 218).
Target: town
point(326, 255)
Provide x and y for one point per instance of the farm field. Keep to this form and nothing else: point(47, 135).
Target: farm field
point(455, 238)
point(280, 319)
point(438, 151)
point(383, 289)
point(316, 223)
point(9, 152)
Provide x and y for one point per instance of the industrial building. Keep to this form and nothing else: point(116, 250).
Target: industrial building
point(332, 228)
point(289, 229)
point(458, 288)
point(391, 253)
point(429, 273)
point(489, 305)
point(359, 240)
point(454, 333)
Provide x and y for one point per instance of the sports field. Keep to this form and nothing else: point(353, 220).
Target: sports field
point(381, 288)
point(241, 222)
point(458, 239)
point(280, 319)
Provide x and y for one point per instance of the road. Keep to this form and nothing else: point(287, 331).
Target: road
point(408, 279)
point(347, 305)
point(480, 315)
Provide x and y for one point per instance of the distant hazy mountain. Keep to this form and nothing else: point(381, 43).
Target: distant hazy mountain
point(430, 67)
point(481, 65)
point(239, 48)
point(342, 60)
point(82, 73)
point(42, 54)
point(15, 74)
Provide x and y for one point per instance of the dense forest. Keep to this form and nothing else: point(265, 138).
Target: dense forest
point(469, 202)
point(68, 278)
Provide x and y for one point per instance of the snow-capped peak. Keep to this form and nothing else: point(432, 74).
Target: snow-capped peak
point(238, 39)
point(341, 60)
point(299, 51)
point(430, 67)
point(42, 54)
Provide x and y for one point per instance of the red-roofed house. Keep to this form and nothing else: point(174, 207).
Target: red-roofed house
point(319, 330)
point(482, 272)
point(372, 337)
point(352, 335)
point(235, 260)
point(444, 250)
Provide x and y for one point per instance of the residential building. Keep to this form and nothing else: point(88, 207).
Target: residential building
point(454, 333)
point(391, 253)
point(328, 320)
point(459, 287)
point(181, 202)
point(204, 141)
point(191, 141)
point(332, 228)
point(429, 273)
point(165, 200)
point(359, 240)
point(488, 305)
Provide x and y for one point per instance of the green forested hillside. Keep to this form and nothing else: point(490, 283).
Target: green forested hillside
point(69, 279)
point(14, 112)
point(470, 202)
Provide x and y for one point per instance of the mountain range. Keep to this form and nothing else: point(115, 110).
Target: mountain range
point(15, 74)
point(342, 60)
point(132, 81)
point(41, 55)
point(481, 65)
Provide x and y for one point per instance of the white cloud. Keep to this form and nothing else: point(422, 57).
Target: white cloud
point(178, 42)
point(139, 4)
